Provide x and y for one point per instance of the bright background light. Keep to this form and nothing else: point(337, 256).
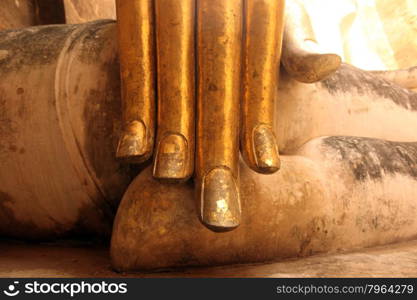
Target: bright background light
point(370, 34)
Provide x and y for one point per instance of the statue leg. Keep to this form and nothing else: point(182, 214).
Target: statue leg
point(336, 193)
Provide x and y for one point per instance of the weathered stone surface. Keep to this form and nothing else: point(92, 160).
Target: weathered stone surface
point(59, 116)
point(337, 193)
point(349, 102)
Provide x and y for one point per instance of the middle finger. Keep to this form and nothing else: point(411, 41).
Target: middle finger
point(219, 32)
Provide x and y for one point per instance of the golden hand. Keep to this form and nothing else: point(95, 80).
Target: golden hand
point(216, 73)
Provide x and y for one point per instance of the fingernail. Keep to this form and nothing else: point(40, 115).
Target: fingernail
point(266, 150)
point(220, 203)
point(171, 158)
point(132, 144)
